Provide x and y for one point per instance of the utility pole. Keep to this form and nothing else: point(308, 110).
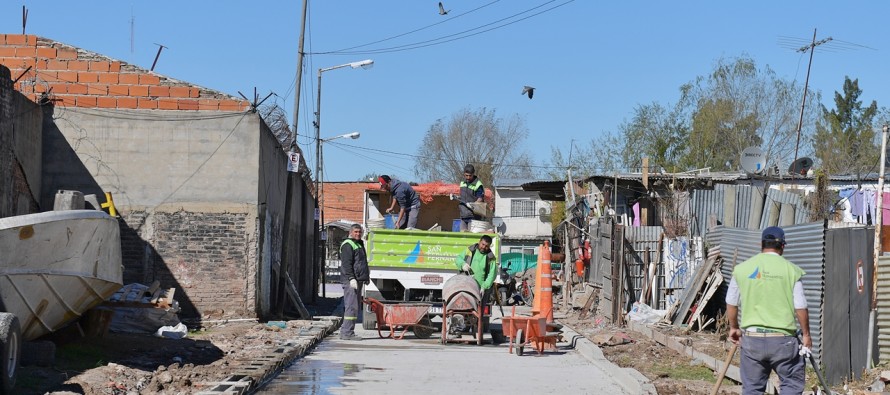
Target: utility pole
point(812, 49)
point(877, 251)
point(287, 241)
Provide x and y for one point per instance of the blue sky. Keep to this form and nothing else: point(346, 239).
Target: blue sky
point(591, 63)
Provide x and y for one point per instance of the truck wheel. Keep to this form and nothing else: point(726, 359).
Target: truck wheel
point(369, 320)
point(10, 351)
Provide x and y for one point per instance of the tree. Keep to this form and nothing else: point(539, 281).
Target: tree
point(478, 137)
point(740, 105)
point(598, 156)
point(655, 132)
point(845, 136)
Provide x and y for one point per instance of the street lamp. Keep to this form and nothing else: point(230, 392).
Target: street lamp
point(319, 199)
point(365, 64)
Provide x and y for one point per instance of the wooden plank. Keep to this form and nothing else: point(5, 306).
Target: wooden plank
point(295, 297)
point(713, 285)
point(691, 291)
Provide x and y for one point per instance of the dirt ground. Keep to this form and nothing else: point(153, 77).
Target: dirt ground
point(143, 364)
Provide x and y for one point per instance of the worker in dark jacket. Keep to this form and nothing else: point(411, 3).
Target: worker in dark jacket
point(471, 191)
point(354, 274)
point(406, 197)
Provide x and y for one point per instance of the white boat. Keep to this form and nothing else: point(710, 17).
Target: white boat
point(56, 265)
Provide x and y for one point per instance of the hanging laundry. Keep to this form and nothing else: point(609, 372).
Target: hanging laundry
point(856, 205)
point(636, 210)
point(848, 211)
point(885, 211)
point(869, 209)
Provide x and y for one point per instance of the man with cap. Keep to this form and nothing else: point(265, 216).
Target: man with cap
point(408, 200)
point(471, 191)
point(768, 291)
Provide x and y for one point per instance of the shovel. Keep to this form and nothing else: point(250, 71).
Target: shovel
point(732, 350)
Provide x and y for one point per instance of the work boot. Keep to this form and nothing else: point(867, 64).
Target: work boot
point(351, 337)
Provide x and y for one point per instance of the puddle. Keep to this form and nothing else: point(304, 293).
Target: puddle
point(311, 376)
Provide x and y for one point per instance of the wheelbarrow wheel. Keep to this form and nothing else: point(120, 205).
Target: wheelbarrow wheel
point(518, 347)
point(424, 328)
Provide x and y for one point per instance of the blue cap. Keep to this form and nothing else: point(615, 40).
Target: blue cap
point(773, 233)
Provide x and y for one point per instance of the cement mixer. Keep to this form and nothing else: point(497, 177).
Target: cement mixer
point(463, 312)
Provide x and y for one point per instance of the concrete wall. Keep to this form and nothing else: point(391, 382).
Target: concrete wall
point(148, 159)
point(526, 227)
point(186, 185)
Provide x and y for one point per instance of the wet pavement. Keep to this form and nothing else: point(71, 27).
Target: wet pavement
point(413, 365)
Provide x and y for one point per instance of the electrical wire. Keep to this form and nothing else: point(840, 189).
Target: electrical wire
point(442, 39)
point(412, 31)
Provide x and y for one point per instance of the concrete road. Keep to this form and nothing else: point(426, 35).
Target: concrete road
point(377, 366)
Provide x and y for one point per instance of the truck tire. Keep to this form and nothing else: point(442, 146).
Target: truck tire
point(10, 351)
point(369, 320)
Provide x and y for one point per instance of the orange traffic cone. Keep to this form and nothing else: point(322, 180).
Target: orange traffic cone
point(546, 287)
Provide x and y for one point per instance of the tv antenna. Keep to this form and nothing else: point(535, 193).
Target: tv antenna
point(132, 31)
point(828, 44)
point(160, 48)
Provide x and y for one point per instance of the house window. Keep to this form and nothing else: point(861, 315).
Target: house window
point(522, 208)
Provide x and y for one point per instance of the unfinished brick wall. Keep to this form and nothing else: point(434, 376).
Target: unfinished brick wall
point(202, 254)
point(344, 200)
point(73, 77)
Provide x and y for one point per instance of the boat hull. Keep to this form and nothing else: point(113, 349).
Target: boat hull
point(56, 265)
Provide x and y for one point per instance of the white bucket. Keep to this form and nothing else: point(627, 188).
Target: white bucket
point(376, 223)
point(481, 226)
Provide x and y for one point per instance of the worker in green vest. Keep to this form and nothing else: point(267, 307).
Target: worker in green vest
point(354, 274)
point(471, 191)
point(768, 290)
point(482, 264)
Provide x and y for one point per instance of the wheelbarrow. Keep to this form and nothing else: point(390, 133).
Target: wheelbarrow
point(399, 317)
point(527, 330)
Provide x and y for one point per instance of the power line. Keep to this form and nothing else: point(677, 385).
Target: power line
point(412, 31)
point(441, 40)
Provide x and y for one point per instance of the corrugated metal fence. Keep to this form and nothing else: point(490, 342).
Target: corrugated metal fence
point(752, 209)
point(883, 317)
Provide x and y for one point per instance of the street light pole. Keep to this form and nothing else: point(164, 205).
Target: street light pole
point(319, 194)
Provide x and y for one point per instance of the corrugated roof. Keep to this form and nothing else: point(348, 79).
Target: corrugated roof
point(548, 190)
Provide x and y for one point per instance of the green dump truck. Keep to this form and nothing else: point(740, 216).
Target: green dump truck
point(412, 265)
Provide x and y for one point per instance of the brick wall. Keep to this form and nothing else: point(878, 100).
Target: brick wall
point(73, 77)
point(202, 254)
point(7, 157)
point(344, 200)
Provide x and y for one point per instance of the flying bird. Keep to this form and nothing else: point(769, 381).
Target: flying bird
point(528, 90)
point(442, 10)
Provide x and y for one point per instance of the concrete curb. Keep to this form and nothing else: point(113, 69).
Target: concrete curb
point(630, 379)
point(252, 375)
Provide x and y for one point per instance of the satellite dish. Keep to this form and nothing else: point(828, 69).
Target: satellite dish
point(752, 160)
point(800, 166)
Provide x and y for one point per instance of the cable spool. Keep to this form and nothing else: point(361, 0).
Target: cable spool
point(480, 226)
point(376, 223)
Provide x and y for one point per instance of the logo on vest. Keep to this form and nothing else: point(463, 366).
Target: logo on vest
point(756, 274)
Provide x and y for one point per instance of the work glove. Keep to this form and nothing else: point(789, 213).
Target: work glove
point(353, 284)
point(466, 267)
point(804, 351)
